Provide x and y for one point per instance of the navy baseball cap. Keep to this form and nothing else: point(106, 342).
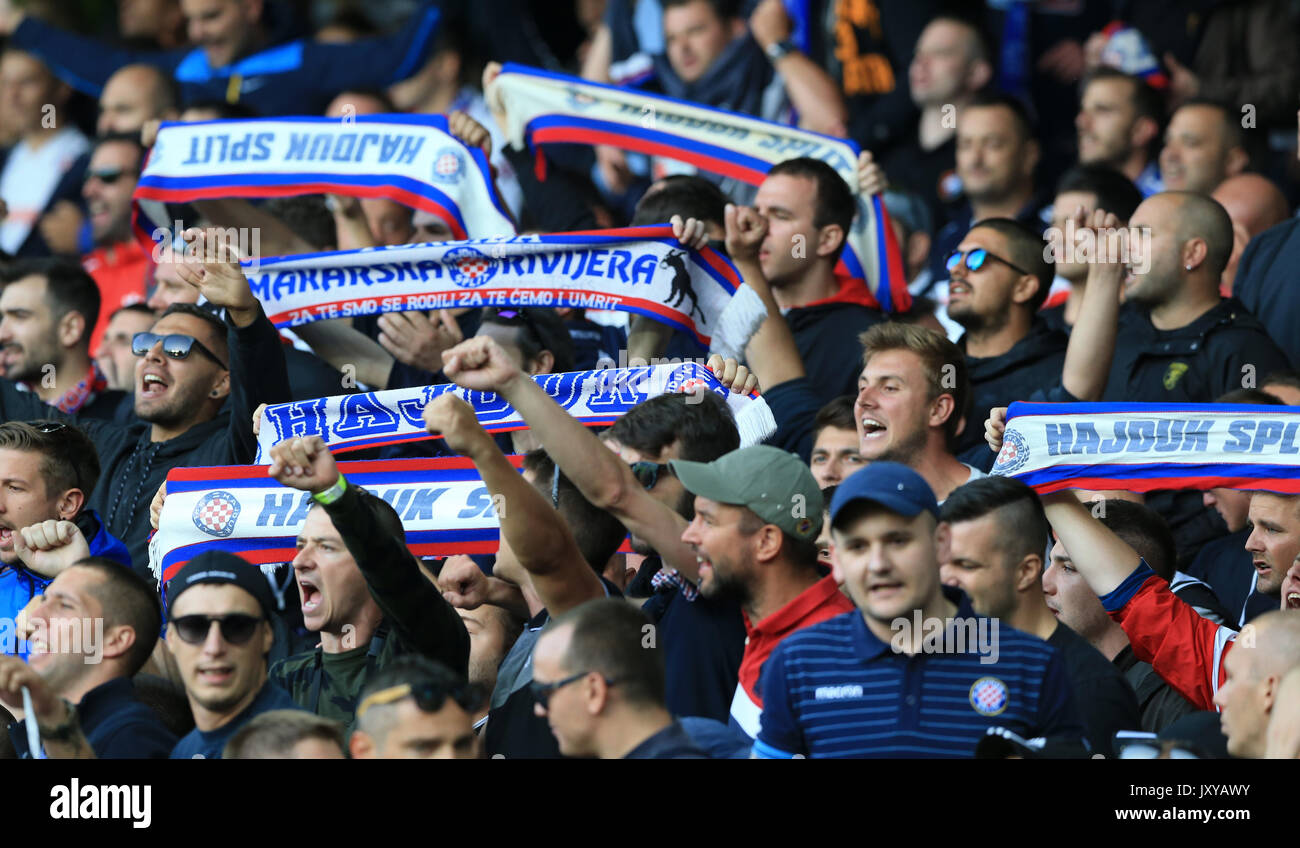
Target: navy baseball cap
point(892, 485)
point(222, 567)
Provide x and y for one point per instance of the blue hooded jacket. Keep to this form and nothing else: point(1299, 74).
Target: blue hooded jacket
point(18, 585)
point(292, 77)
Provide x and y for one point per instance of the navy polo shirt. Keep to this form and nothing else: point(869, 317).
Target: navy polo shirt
point(198, 745)
point(835, 690)
point(671, 743)
point(115, 723)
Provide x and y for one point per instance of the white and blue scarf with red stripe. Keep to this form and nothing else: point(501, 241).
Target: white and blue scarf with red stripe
point(545, 107)
point(411, 159)
point(637, 269)
point(596, 398)
point(1142, 447)
point(442, 502)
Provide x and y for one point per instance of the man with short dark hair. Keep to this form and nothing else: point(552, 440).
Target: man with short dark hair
point(1068, 597)
point(48, 470)
point(93, 628)
point(997, 153)
point(835, 443)
point(117, 264)
point(1086, 187)
point(49, 310)
point(998, 537)
point(1204, 145)
point(758, 512)
point(1119, 125)
point(415, 709)
point(601, 686)
point(1225, 563)
point(1209, 664)
point(875, 682)
point(219, 630)
point(115, 358)
point(286, 735)
point(806, 203)
point(360, 588)
point(187, 368)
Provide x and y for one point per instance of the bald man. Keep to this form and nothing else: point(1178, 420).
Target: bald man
point(134, 95)
point(1255, 666)
point(1179, 341)
point(1284, 725)
point(1254, 204)
point(1204, 146)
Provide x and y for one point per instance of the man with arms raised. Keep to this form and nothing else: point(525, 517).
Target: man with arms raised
point(361, 588)
point(187, 367)
point(1210, 665)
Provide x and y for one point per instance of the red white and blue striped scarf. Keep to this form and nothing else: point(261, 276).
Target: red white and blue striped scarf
point(545, 107)
point(411, 159)
point(1143, 447)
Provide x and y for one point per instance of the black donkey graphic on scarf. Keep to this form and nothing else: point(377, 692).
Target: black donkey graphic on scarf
point(681, 285)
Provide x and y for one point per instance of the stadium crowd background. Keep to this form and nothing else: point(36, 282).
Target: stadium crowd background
point(738, 627)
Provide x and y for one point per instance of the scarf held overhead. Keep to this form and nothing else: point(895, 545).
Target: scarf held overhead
point(411, 159)
point(1142, 447)
point(639, 269)
point(443, 504)
point(544, 107)
point(596, 398)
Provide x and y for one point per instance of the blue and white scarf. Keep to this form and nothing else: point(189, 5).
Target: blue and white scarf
point(545, 107)
point(596, 398)
point(442, 502)
point(639, 269)
point(411, 159)
point(1143, 447)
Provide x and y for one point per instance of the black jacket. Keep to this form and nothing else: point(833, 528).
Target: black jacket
point(132, 467)
point(1225, 349)
point(827, 337)
point(416, 618)
point(1266, 284)
point(1033, 365)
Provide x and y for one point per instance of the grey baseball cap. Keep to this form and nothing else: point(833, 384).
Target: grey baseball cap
point(776, 486)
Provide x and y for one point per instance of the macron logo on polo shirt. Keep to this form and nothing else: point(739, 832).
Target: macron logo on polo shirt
point(837, 693)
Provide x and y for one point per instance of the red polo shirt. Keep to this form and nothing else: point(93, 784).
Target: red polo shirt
point(813, 605)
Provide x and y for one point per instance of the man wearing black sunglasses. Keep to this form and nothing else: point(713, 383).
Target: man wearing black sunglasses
point(601, 687)
point(116, 262)
point(182, 391)
point(219, 631)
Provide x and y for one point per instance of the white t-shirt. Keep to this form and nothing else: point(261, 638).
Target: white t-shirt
point(29, 179)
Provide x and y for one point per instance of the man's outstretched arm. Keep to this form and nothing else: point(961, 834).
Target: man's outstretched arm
point(600, 474)
point(532, 532)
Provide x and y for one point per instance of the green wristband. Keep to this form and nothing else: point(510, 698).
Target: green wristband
point(333, 493)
